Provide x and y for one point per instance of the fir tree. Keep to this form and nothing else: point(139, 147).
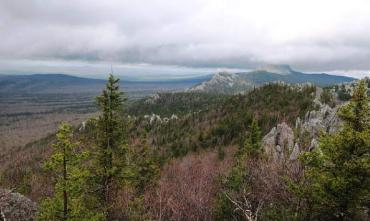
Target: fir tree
point(110, 150)
point(239, 178)
point(252, 144)
point(337, 185)
point(68, 202)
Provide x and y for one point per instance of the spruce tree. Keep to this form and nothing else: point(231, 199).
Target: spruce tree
point(252, 144)
point(110, 149)
point(239, 178)
point(66, 165)
point(337, 174)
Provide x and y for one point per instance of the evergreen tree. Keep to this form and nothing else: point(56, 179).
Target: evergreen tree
point(68, 202)
point(239, 179)
point(145, 170)
point(110, 150)
point(252, 144)
point(337, 184)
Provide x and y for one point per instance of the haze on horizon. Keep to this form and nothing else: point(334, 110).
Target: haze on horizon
point(185, 37)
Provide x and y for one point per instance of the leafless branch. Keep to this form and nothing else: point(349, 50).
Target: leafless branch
point(245, 207)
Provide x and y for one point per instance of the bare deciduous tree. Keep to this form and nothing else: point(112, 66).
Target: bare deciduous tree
point(244, 206)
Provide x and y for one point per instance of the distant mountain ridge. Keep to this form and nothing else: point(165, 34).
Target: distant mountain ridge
point(62, 83)
point(46, 83)
point(231, 83)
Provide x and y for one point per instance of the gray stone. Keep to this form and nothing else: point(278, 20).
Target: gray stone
point(295, 153)
point(16, 207)
point(279, 142)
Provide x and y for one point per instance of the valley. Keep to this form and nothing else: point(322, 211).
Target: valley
point(32, 106)
point(186, 144)
point(184, 110)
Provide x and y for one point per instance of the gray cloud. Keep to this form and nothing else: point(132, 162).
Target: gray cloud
point(310, 35)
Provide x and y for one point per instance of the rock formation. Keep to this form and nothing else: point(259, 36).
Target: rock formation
point(281, 144)
point(16, 207)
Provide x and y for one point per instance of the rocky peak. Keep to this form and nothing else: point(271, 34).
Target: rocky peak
point(222, 77)
point(221, 82)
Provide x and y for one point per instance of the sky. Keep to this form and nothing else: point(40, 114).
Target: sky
point(152, 38)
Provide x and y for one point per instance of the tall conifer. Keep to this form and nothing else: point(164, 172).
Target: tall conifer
point(110, 150)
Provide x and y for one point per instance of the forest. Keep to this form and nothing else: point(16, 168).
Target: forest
point(198, 156)
point(185, 110)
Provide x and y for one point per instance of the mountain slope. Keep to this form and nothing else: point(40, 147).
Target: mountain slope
point(223, 123)
point(46, 83)
point(65, 84)
point(180, 103)
point(231, 83)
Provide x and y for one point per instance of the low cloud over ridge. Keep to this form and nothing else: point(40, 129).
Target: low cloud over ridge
point(310, 35)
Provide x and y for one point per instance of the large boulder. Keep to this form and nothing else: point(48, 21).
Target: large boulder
point(16, 207)
point(278, 144)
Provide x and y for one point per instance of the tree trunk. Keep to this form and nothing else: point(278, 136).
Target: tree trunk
point(65, 196)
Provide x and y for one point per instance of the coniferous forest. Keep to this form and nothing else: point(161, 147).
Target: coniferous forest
point(205, 157)
point(185, 110)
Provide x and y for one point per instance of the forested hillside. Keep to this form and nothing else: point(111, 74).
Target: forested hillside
point(223, 123)
point(178, 103)
point(196, 156)
point(185, 110)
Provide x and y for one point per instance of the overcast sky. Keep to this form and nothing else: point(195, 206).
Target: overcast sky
point(177, 37)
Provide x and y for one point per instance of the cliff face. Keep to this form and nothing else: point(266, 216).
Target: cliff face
point(279, 142)
point(283, 144)
point(16, 207)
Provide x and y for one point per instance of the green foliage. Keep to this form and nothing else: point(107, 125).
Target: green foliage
point(252, 145)
point(69, 200)
point(146, 168)
point(218, 122)
point(269, 104)
point(238, 182)
point(327, 97)
point(343, 93)
point(356, 114)
point(337, 175)
point(180, 103)
point(115, 165)
point(110, 152)
point(224, 209)
point(278, 212)
point(138, 210)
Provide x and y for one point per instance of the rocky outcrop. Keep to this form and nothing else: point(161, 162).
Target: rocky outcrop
point(279, 143)
point(157, 118)
point(16, 207)
point(324, 119)
point(152, 99)
point(223, 82)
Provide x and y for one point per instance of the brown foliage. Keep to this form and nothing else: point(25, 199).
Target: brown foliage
point(188, 186)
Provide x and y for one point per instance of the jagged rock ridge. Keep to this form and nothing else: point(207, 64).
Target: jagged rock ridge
point(281, 144)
